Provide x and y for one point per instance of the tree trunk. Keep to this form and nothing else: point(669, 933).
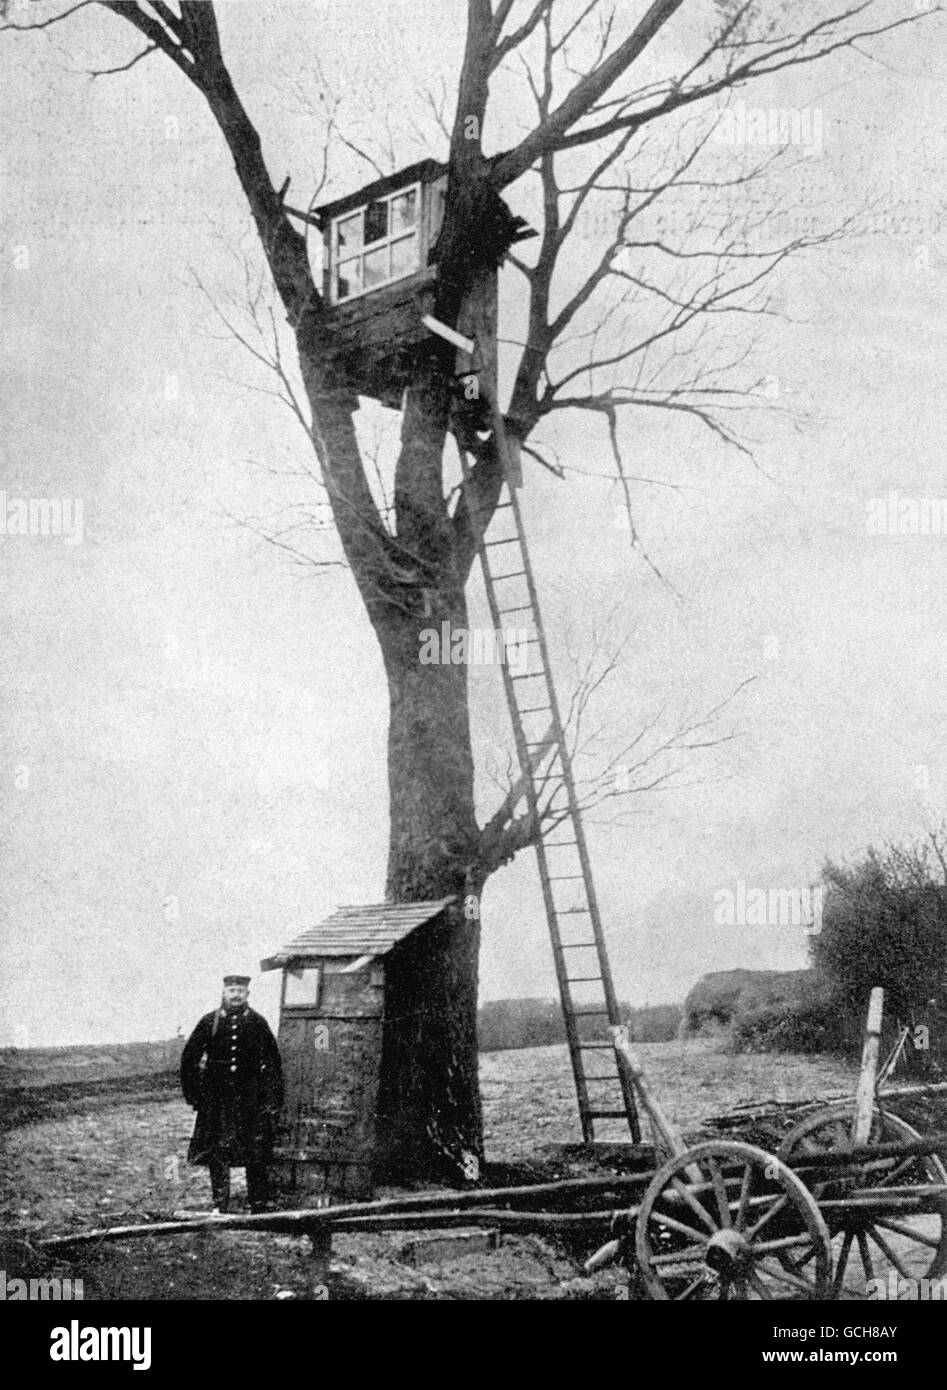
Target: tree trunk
point(429, 1108)
point(429, 1113)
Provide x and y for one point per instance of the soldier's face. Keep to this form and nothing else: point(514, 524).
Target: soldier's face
point(236, 994)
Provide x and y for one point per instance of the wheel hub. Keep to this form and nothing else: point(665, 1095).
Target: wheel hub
point(729, 1254)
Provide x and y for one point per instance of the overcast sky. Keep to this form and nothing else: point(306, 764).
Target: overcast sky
point(194, 733)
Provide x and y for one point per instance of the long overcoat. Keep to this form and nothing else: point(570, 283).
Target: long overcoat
point(231, 1073)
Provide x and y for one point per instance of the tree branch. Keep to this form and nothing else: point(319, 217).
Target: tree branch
point(506, 168)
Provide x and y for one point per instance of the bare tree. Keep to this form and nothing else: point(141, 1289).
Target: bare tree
point(652, 325)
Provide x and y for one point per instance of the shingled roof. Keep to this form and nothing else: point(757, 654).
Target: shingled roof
point(367, 930)
point(422, 172)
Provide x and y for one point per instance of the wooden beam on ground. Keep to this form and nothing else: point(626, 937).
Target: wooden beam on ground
point(868, 1156)
point(523, 1221)
point(303, 1221)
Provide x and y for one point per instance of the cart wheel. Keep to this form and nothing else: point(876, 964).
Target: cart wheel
point(718, 1222)
point(907, 1245)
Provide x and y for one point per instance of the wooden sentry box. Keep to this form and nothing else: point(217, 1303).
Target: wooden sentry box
point(331, 1037)
point(377, 279)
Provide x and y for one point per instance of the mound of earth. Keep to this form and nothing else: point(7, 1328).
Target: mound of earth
point(719, 997)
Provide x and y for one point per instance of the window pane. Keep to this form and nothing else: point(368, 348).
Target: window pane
point(404, 256)
point(376, 221)
point(302, 987)
point(349, 233)
point(376, 267)
point(348, 278)
point(404, 212)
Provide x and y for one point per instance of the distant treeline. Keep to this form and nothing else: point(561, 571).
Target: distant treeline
point(503, 1024)
point(53, 1066)
point(512, 1023)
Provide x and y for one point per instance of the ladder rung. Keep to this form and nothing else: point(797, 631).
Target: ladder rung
point(594, 1045)
point(584, 979)
point(516, 574)
point(561, 878)
point(529, 676)
point(571, 911)
point(607, 1114)
point(520, 608)
point(536, 709)
point(587, 1013)
point(576, 945)
point(504, 540)
point(559, 844)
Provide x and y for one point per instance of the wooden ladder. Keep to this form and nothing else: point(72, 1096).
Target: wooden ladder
point(578, 943)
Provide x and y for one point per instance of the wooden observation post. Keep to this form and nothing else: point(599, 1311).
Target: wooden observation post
point(342, 979)
point(377, 276)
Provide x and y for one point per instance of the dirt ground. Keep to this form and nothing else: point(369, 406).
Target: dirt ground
point(124, 1162)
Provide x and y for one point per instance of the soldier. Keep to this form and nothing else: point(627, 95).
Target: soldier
point(232, 1076)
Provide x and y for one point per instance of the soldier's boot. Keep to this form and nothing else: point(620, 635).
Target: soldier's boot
point(220, 1186)
point(258, 1186)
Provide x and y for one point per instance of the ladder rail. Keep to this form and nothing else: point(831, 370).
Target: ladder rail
point(527, 772)
point(530, 765)
point(575, 814)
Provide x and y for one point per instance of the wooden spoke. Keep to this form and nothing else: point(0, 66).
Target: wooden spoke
point(903, 1230)
point(767, 1247)
point(756, 1283)
point(903, 1167)
point(720, 1192)
point(684, 1297)
point(888, 1253)
point(843, 1261)
point(764, 1220)
point(684, 1192)
point(783, 1276)
point(865, 1254)
point(680, 1257)
point(745, 1189)
point(803, 1260)
point(662, 1218)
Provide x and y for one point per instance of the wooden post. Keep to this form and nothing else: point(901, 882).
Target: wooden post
point(320, 1238)
point(865, 1094)
point(670, 1137)
point(477, 320)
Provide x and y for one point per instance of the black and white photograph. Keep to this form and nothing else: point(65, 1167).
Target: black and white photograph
point(473, 529)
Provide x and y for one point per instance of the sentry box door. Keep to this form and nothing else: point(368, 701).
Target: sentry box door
point(330, 1038)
